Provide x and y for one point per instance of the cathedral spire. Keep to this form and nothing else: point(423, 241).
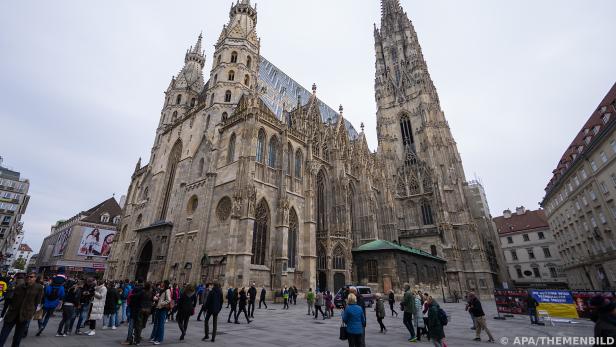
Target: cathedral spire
point(194, 53)
point(390, 6)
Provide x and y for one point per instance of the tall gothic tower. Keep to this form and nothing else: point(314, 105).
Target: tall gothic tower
point(423, 166)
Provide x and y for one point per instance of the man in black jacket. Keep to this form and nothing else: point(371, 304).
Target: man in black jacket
point(252, 292)
point(474, 307)
point(262, 297)
point(213, 305)
point(26, 300)
point(134, 314)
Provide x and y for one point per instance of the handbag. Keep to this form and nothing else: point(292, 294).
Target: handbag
point(343, 332)
point(38, 315)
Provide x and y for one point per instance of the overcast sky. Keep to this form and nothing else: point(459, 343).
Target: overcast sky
point(82, 83)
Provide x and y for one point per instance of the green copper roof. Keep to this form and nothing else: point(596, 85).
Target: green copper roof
point(381, 245)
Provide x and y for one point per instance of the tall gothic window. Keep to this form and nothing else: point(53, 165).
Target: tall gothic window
point(321, 258)
point(231, 75)
point(272, 160)
point(228, 96)
point(407, 131)
point(246, 80)
point(234, 57)
point(178, 100)
point(172, 163)
point(225, 115)
point(260, 146)
point(433, 250)
point(350, 198)
point(339, 262)
point(292, 240)
point(321, 217)
point(248, 62)
point(372, 270)
point(193, 101)
point(231, 149)
point(212, 99)
point(259, 233)
point(298, 164)
point(200, 168)
point(289, 166)
point(426, 213)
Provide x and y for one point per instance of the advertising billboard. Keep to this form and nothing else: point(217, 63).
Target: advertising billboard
point(558, 303)
point(96, 242)
point(512, 301)
point(61, 242)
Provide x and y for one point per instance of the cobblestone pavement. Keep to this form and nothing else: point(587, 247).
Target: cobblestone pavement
point(277, 327)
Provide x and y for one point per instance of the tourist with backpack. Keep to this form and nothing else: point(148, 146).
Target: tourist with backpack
point(437, 319)
point(110, 311)
point(165, 304)
point(52, 297)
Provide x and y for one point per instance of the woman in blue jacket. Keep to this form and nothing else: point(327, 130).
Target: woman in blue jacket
point(353, 317)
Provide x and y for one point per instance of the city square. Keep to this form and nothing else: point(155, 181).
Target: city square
point(155, 157)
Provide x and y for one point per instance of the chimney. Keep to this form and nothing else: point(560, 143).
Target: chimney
point(507, 213)
point(520, 210)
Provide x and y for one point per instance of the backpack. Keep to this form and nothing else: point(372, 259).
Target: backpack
point(54, 294)
point(126, 291)
point(442, 316)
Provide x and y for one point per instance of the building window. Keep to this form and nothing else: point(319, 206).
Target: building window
point(433, 250)
point(215, 78)
point(218, 59)
point(200, 167)
point(531, 253)
point(248, 62)
point(371, 270)
point(298, 164)
point(339, 262)
point(613, 144)
point(231, 75)
point(525, 237)
point(602, 218)
point(105, 218)
point(546, 252)
point(193, 202)
point(231, 149)
point(604, 187)
point(541, 235)
point(426, 213)
point(407, 132)
point(553, 272)
point(228, 96)
point(212, 99)
point(593, 195)
point(234, 57)
point(292, 239)
point(178, 99)
point(321, 204)
point(259, 233)
point(603, 157)
point(174, 117)
point(514, 255)
point(247, 80)
point(593, 165)
point(584, 201)
point(260, 146)
point(593, 222)
point(583, 173)
point(272, 160)
point(116, 220)
point(193, 101)
point(138, 221)
point(321, 258)
point(509, 239)
point(225, 115)
point(519, 272)
point(536, 272)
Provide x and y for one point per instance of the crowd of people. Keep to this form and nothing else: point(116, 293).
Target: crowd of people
point(92, 304)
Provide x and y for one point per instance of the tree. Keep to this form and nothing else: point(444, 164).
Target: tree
point(20, 264)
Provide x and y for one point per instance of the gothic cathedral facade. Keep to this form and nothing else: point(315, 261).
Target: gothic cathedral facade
point(252, 178)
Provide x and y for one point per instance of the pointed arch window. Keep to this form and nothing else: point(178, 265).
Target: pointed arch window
point(178, 99)
point(200, 168)
point(247, 80)
point(321, 258)
point(228, 96)
point(259, 233)
point(321, 217)
point(193, 102)
point(407, 132)
point(215, 78)
point(172, 163)
point(426, 213)
point(272, 156)
point(248, 62)
point(231, 149)
point(218, 59)
point(339, 262)
point(292, 239)
point(260, 146)
point(231, 75)
point(225, 115)
point(212, 99)
point(298, 163)
point(234, 57)
point(350, 198)
point(207, 121)
point(174, 117)
point(289, 166)
point(433, 250)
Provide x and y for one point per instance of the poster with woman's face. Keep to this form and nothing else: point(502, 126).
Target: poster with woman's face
point(61, 242)
point(96, 242)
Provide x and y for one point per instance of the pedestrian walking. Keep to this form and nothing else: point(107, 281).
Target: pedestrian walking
point(52, 297)
point(285, 298)
point(467, 308)
point(175, 296)
point(186, 308)
point(27, 295)
point(409, 310)
point(162, 308)
point(310, 300)
point(69, 307)
point(353, 317)
point(380, 312)
point(252, 299)
point(532, 304)
point(229, 295)
point(98, 307)
point(242, 301)
point(605, 324)
point(126, 288)
point(329, 303)
point(262, 297)
point(139, 309)
point(480, 317)
point(435, 325)
point(213, 306)
point(318, 305)
point(232, 300)
point(203, 299)
point(392, 301)
point(295, 292)
point(111, 303)
point(424, 311)
point(418, 317)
